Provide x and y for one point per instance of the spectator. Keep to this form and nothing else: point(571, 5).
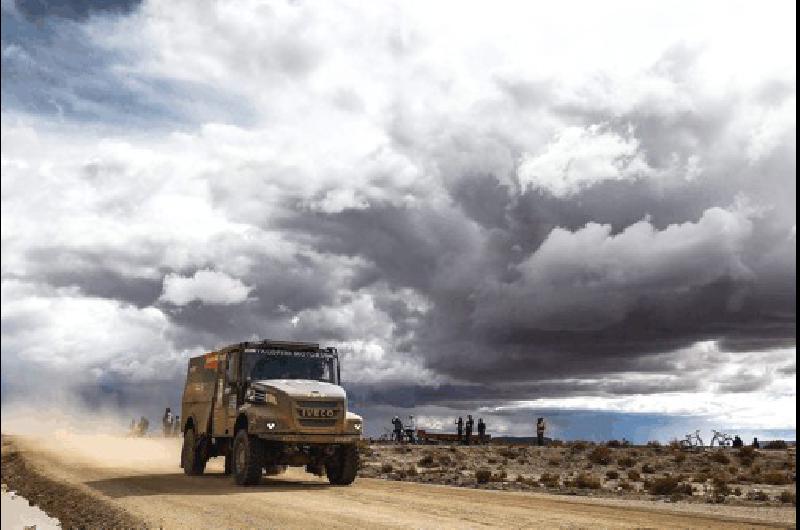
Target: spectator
point(540, 426)
point(398, 429)
point(481, 430)
point(468, 430)
point(144, 424)
point(166, 422)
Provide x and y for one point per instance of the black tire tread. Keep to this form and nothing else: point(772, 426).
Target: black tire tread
point(343, 472)
point(252, 472)
point(194, 462)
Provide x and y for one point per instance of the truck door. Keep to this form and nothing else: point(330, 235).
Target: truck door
point(225, 397)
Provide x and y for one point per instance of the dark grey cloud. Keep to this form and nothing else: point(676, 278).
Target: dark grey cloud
point(74, 9)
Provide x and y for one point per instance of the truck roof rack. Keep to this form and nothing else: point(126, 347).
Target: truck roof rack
point(281, 345)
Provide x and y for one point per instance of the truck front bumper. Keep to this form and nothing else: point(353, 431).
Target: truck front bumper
point(310, 438)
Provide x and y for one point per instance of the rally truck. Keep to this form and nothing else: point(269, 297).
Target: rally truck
point(267, 405)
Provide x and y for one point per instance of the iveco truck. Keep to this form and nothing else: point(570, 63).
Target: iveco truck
point(267, 405)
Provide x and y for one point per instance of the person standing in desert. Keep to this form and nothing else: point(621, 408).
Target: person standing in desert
point(540, 426)
point(166, 422)
point(470, 424)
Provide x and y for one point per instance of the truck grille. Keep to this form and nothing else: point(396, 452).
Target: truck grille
point(317, 423)
point(318, 414)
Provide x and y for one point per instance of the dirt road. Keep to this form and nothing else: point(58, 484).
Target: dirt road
point(142, 479)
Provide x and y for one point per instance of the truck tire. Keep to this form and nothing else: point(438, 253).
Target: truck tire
point(342, 471)
point(228, 462)
point(247, 459)
point(192, 453)
point(272, 470)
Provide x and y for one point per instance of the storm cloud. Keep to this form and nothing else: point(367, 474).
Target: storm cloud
point(481, 209)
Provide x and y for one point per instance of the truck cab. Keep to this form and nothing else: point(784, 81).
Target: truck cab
point(266, 405)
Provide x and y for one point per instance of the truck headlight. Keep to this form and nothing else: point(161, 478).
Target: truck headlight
point(257, 395)
point(357, 426)
point(271, 425)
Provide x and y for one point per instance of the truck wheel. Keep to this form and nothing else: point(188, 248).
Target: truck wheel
point(229, 462)
point(247, 459)
point(342, 471)
point(274, 470)
point(192, 457)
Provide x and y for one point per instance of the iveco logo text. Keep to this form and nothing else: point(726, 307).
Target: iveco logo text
point(317, 413)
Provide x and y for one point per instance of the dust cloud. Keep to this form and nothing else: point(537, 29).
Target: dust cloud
point(97, 438)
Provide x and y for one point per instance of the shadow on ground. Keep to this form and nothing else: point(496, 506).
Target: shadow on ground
point(177, 483)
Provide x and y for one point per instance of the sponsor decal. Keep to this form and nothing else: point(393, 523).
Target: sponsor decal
point(211, 360)
point(285, 353)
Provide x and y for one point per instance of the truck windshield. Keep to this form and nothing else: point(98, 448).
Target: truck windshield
point(290, 365)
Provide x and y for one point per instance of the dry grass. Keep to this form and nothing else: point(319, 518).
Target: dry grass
point(625, 486)
point(747, 455)
point(626, 461)
point(757, 495)
point(551, 480)
point(577, 447)
point(667, 485)
point(585, 481)
point(719, 457)
point(600, 455)
point(788, 497)
point(483, 475)
point(776, 478)
point(427, 461)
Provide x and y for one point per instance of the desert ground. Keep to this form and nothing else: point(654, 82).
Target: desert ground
point(111, 481)
point(733, 477)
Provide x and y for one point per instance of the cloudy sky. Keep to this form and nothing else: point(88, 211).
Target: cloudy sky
point(579, 210)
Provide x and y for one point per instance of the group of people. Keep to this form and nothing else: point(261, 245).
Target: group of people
point(171, 425)
point(403, 434)
point(464, 430)
point(139, 428)
point(738, 442)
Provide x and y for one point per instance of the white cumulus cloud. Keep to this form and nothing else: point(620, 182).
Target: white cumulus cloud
point(206, 286)
point(579, 157)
